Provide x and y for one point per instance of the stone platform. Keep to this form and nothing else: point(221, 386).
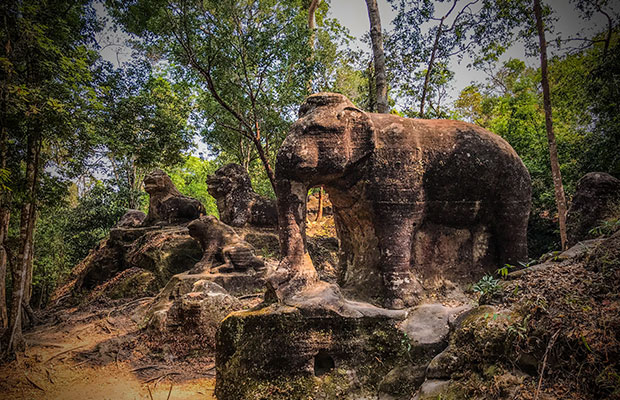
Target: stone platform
point(306, 350)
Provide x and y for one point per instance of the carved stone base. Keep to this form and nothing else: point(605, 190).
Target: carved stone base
point(306, 351)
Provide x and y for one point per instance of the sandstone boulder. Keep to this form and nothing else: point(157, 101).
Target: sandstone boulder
point(131, 219)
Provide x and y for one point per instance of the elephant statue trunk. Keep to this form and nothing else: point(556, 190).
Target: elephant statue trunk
point(295, 271)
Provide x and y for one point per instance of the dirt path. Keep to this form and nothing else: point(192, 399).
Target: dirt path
point(100, 354)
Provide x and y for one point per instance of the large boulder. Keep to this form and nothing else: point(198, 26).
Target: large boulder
point(166, 204)
point(596, 198)
point(131, 219)
point(160, 252)
point(237, 202)
point(188, 314)
point(165, 252)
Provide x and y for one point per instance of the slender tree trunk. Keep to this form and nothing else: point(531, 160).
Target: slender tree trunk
point(29, 238)
point(560, 198)
point(429, 69)
point(266, 164)
point(319, 213)
point(372, 103)
point(376, 37)
point(5, 217)
point(21, 283)
point(311, 25)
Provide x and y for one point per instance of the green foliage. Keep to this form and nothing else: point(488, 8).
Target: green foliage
point(487, 285)
point(519, 329)
point(5, 178)
point(250, 61)
point(608, 227)
point(510, 104)
point(142, 125)
point(67, 232)
point(427, 37)
point(190, 178)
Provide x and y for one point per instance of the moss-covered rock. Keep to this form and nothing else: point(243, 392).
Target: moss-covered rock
point(283, 352)
point(165, 252)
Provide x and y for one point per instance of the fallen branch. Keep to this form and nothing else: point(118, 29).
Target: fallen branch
point(42, 344)
point(64, 352)
point(249, 296)
point(544, 364)
point(145, 367)
point(160, 377)
point(169, 391)
point(81, 362)
point(33, 383)
point(49, 376)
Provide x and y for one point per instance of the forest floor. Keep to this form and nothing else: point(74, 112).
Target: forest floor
point(100, 353)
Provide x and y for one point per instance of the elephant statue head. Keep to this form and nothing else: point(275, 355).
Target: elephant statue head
point(330, 137)
point(327, 142)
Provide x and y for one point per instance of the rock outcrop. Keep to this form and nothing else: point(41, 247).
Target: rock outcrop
point(553, 319)
point(166, 204)
point(162, 252)
point(596, 198)
point(237, 202)
point(416, 202)
point(189, 314)
point(155, 247)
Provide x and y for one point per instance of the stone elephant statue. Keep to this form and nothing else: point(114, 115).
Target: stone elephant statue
point(415, 201)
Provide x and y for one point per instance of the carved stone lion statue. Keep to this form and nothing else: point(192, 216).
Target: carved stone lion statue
point(237, 203)
point(166, 204)
point(224, 250)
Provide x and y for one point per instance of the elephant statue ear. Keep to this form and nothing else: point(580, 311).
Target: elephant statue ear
point(360, 132)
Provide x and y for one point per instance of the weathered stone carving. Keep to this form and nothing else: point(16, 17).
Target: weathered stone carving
point(224, 250)
point(131, 219)
point(414, 200)
point(166, 204)
point(237, 203)
point(597, 193)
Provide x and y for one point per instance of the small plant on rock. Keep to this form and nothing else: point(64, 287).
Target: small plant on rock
point(487, 285)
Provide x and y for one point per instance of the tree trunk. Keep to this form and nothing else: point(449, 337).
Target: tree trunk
point(23, 268)
point(5, 217)
point(266, 164)
point(29, 238)
point(560, 198)
point(4, 225)
point(429, 69)
point(376, 37)
point(319, 212)
point(311, 25)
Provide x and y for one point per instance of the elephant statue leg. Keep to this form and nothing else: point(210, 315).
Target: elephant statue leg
point(396, 224)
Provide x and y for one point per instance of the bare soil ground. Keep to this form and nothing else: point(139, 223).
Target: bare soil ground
point(99, 352)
